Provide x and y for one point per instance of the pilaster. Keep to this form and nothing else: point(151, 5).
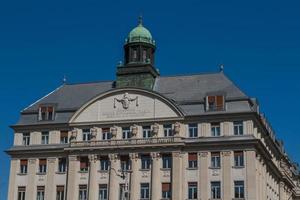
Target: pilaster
point(12, 178)
point(155, 176)
point(93, 187)
point(226, 172)
point(203, 175)
point(72, 187)
point(50, 185)
point(31, 187)
point(134, 181)
point(113, 177)
point(250, 174)
point(177, 176)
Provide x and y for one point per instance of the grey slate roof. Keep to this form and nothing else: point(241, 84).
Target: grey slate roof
point(188, 92)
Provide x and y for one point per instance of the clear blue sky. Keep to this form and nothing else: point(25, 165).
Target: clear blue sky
point(257, 41)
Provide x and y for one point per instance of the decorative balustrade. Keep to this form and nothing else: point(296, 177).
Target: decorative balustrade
point(125, 142)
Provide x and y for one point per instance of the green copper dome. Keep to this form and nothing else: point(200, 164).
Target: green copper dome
point(140, 34)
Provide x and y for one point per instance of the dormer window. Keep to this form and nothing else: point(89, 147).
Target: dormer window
point(46, 113)
point(215, 103)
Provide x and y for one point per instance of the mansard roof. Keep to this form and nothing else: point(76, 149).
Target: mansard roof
point(187, 91)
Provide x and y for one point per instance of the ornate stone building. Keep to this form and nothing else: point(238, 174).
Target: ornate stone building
point(146, 136)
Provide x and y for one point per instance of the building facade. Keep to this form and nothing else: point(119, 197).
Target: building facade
point(146, 136)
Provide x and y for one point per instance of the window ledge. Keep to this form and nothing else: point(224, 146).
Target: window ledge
point(145, 170)
point(238, 198)
point(165, 169)
point(214, 168)
point(22, 174)
point(41, 173)
point(61, 172)
point(192, 168)
point(103, 171)
point(83, 172)
point(238, 167)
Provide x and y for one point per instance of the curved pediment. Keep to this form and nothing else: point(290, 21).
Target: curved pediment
point(126, 104)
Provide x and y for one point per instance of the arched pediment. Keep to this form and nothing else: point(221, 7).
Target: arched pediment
point(126, 104)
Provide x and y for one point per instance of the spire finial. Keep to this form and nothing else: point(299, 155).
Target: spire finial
point(221, 68)
point(140, 20)
point(64, 79)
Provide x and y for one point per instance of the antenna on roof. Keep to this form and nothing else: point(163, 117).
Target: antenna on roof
point(221, 68)
point(64, 79)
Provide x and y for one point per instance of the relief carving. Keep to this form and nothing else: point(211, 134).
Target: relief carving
point(203, 154)
point(134, 130)
point(155, 129)
point(226, 153)
point(155, 155)
point(176, 128)
point(134, 156)
point(114, 131)
point(113, 157)
point(74, 133)
point(126, 100)
point(94, 131)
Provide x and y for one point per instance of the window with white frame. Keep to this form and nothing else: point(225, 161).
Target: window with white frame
point(215, 190)
point(168, 131)
point(62, 165)
point(104, 163)
point(166, 161)
point(125, 163)
point(145, 161)
point(42, 166)
point(239, 190)
point(86, 135)
point(192, 190)
point(238, 127)
point(193, 160)
point(145, 192)
point(23, 166)
point(215, 129)
point(126, 133)
point(64, 137)
point(45, 137)
point(84, 164)
point(26, 139)
point(46, 113)
point(40, 193)
point(239, 159)
point(106, 134)
point(103, 194)
point(21, 193)
point(60, 192)
point(146, 131)
point(215, 160)
point(166, 191)
point(83, 192)
point(193, 130)
point(215, 103)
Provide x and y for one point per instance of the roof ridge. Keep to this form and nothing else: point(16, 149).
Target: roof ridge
point(90, 82)
point(191, 74)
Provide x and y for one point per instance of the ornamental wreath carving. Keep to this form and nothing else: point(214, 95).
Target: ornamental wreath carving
point(126, 100)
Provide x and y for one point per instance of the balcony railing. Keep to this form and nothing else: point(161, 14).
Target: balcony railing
point(127, 142)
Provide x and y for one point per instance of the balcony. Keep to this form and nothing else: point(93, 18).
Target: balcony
point(129, 142)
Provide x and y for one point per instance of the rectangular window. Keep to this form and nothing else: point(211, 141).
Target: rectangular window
point(46, 113)
point(193, 160)
point(40, 193)
point(125, 163)
point(45, 137)
point(64, 137)
point(42, 166)
point(215, 103)
point(21, 193)
point(104, 163)
point(193, 130)
point(23, 166)
point(83, 192)
point(238, 159)
point(106, 134)
point(60, 192)
point(239, 190)
point(86, 135)
point(124, 192)
point(168, 132)
point(192, 190)
point(238, 128)
point(145, 161)
point(145, 192)
point(166, 190)
point(62, 165)
point(103, 192)
point(126, 133)
point(215, 160)
point(215, 129)
point(84, 164)
point(216, 190)
point(26, 139)
point(167, 161)
point(147, 132)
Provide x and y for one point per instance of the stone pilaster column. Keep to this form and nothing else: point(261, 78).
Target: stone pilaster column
point(72, 187)
point(177, 176)
point(251, 174)
point(12, 178)
point(93, 187)
point(203, 175)
point(113, 177)
point(226, 173)
point(50, 185)
point(155, 176)
point(31, 187)
point(134, 181)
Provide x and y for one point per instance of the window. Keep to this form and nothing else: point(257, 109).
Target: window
point(146, 132)
point(23, 166)
point(216, 190)
point(238, 128)
point(166, 190)
point(45, 137)
point(106, 135)
point(215, 129)
point(192, 190)
point(60, 192)
point(145, 161)
point(84, 164)
point(168, 132)
point(42, 166)
point(62, 165)
point(63, 137)
point(46, 113)
point(126, 133)
point(26, 139)
point(215, 160)
point(83, 192)
point(21, 193)
point(125, 163)
point(238, 159)
point(144, 55)
point(214, 103)
point(86, 135)
point(124, 194)
point(193, 161)
point(193, 130)
point(145, 191)
point(40, 193)
point(167, 161)
point(104, 163)
point(239, 189)
point(103, 192)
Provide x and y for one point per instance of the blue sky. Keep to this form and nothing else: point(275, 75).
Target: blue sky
point(257, 41)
